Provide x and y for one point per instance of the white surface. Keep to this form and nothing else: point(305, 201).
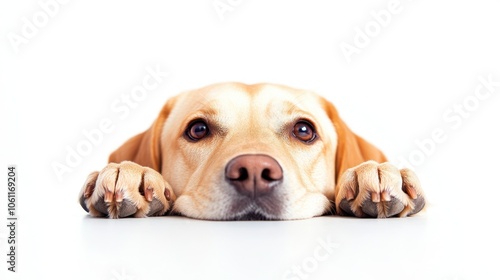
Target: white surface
point(394, 92)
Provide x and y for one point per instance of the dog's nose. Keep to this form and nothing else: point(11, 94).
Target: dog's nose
point(254, 175)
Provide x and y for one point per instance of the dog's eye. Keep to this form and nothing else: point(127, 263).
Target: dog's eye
point(197, 130)
point(304, 131)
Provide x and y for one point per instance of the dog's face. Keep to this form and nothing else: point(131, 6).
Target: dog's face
point(233, 151)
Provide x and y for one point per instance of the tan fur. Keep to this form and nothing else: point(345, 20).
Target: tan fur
point(250, 119)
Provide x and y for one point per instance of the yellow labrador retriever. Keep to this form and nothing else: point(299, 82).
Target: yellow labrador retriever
point(233, 151)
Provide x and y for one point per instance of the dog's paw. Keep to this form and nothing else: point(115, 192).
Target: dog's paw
point(379, 190)
point(126, 189)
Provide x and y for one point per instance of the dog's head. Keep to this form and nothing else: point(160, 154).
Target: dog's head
point(236, 151)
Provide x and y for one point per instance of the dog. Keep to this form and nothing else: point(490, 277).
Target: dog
point(232, 151)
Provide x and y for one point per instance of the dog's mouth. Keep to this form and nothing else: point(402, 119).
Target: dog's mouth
point(252, 216)
point(255, 210)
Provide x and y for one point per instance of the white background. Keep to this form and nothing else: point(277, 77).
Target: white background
point(394, 92)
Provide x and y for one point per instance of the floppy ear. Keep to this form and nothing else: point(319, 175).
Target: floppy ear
point(352, 150)
point(145, 148)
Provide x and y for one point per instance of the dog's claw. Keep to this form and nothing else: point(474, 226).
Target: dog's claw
point(410, 191)
point(349, 195)
point(167, 194)
point(108, 196)
point(386, 196)
point(119, 196)
point(148, 194)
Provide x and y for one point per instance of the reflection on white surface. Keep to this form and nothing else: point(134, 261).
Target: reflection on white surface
point(433, 245)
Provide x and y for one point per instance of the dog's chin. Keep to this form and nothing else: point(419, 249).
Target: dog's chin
point(262, 209)
point(252, 216)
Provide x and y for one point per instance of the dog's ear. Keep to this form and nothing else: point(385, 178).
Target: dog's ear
point(145, 148)
point(352, 150)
